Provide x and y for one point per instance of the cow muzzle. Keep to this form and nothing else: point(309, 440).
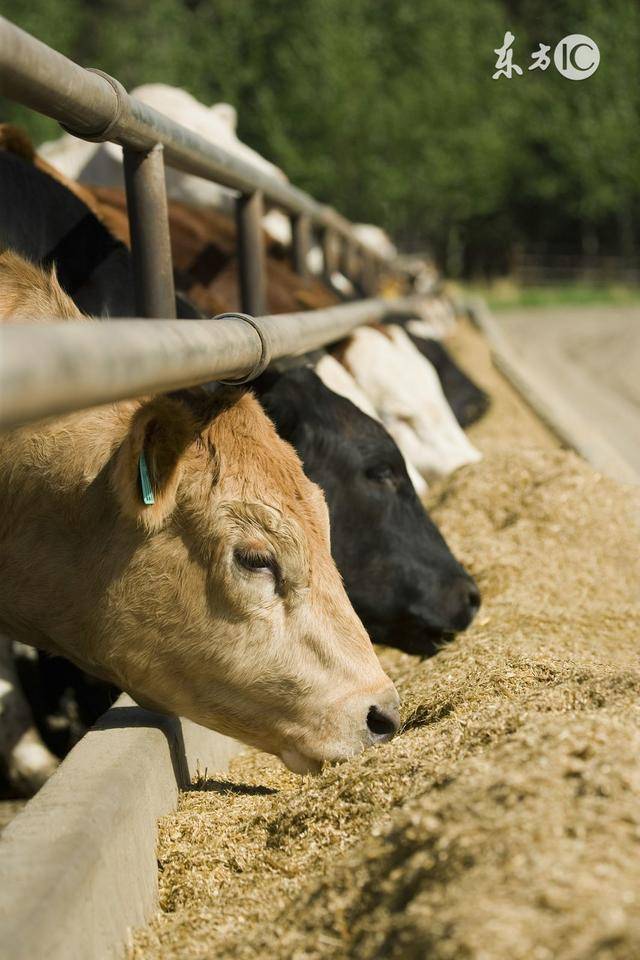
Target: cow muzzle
point(373, 722)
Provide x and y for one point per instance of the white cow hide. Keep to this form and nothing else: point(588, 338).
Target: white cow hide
point(101, 164)
point(337, 378)
point(404, 388)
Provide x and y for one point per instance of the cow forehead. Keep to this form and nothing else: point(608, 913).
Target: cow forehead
point(398, 370)
point(255, 464)
point(338, 379)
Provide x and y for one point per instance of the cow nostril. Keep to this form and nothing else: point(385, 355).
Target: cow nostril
point(473, 599)
point(382, 724)
point(462, 604)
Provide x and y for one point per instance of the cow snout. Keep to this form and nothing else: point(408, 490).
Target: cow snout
point(382, 723)
point(463, 602)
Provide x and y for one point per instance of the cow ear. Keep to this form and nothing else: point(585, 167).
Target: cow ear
point(149, 463)
point(280, 402)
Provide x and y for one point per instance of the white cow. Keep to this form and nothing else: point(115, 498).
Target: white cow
point(315, 265)
point(101, 164)
point(424, 272)
point(376, 239)
point(337, 378)
point(434, 318)
point(425, 329)
point(405, 390)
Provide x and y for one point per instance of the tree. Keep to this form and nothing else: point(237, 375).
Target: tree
point(389, 110)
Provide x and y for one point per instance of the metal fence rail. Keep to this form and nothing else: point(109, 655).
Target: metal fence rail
point(49, 369)
point(94, 106)
point(56, 368)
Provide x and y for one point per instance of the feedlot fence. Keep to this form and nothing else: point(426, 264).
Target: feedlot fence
point(55, 368)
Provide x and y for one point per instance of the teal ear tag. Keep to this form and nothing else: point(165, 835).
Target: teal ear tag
point(145, 482)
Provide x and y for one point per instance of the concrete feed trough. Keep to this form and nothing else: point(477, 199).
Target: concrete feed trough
point(78, 866)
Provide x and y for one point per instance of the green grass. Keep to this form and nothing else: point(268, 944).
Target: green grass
point(506, 294)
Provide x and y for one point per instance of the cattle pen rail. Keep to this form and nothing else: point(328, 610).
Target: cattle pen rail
point(94, 106)
point(82, 367)
point(76, 365)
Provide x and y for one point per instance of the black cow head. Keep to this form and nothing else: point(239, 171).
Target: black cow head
point(468, 402)
point(403, 581)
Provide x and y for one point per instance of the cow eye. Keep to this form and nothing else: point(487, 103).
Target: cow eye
point(257, 562)
point(382, 473)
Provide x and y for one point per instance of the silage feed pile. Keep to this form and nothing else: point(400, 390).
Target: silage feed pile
point(504, 822)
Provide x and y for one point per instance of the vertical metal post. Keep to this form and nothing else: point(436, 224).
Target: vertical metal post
point(369, 275)
point(329, 259)
point(251, 255)
point(347, 260)
point(360, 271)
point(376, 273)
point(300, 243)
point(149, 225)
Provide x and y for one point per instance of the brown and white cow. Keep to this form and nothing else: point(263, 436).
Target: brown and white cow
point(220, 601)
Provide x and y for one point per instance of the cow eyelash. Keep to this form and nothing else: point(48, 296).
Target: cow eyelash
point(254, 562)
point(381, 473)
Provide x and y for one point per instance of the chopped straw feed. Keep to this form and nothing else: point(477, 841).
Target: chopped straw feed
point(504, 821)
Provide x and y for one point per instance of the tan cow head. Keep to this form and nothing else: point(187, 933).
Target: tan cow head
point(219, 601)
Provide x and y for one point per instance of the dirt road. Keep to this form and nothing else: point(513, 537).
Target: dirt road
point(590, 356)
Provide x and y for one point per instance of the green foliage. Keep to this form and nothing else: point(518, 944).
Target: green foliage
point(388, 110)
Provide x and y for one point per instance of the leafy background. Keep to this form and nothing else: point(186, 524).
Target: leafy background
point(387, 108)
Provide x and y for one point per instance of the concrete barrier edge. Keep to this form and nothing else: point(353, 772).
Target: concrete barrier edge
point(78, 867)
point(571, 428)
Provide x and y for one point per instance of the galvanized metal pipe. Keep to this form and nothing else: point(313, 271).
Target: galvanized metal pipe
point(300, 243)
point(96, 107)
point(356, 265)
point(47, 369)
point(149, 224)
point(370, 277)
point(329, 253)
point(44, 80)
point(251, 253)
point(347, 259)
